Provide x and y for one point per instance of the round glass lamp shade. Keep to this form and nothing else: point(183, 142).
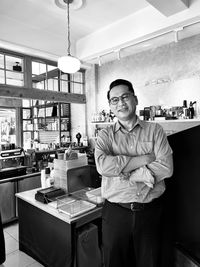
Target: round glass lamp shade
point(69, 64)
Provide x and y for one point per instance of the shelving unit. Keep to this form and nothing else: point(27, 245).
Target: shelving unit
point(30, 132)
point(45, 121)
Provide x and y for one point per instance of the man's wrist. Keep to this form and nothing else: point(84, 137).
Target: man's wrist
point(125, 175)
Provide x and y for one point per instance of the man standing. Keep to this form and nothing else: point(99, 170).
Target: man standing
point(134, 158)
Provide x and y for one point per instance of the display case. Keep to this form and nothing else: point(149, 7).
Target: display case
point(79, 202)
point(74, 207)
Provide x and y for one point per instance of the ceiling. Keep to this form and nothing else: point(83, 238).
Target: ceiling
point(40, 27)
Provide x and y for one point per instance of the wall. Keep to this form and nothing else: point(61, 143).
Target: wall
point(163, 76)
point(91, 90)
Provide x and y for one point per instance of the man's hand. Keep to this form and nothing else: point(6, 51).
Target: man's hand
point(150, 158)
point(142, 175)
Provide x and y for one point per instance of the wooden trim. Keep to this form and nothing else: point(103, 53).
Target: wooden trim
point(32, 93)
point(27, 71)
point(19, 127)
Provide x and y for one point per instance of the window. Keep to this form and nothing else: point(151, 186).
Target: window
point(11, 70)
point(49, 77)
point(44, 76)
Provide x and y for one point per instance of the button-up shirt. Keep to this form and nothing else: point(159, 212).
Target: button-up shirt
point(114, 148)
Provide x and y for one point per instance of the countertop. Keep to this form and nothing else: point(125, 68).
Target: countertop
point(18, 178)
point(29, 196)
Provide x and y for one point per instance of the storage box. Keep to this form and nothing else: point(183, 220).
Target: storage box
point(62, 166)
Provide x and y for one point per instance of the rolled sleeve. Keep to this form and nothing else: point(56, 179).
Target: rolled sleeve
point(162, 167)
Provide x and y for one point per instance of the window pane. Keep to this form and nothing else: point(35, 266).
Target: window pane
point(2, 61)
point(26, 113)
point(26, 103)
point(53, 84)
point(50, 67)
point(77, 77)
point(2, 76)
point(39, 85)
point(38, 68)
point(14, 63)
point(64, 77)
point(76, 88)
point(14, 78)
point(64, 86)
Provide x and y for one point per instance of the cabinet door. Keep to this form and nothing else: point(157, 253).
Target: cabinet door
point(7, 202)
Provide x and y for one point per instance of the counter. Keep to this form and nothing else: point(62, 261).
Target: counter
point(18, 178)
point(29, 197)
point(174, 126)
point(48, 236)
point(169, 126)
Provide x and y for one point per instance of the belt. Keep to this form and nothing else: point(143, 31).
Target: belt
point(136, 206)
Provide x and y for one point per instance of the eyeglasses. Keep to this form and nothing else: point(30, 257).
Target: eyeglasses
point(124, 98)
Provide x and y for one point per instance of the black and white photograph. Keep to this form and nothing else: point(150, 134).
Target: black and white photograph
point(100, 133)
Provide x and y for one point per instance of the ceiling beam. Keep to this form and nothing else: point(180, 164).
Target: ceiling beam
point(169, 7)
point(32, 93)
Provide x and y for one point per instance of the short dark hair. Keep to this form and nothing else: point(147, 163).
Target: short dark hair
point(120, 82)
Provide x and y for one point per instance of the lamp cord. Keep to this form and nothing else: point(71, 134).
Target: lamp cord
point(68, 29)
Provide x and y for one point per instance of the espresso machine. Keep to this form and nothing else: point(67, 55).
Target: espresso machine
point(12, 162)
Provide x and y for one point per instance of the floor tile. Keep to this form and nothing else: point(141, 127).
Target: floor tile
point(12, 230)
point(6, 235)
point(18, 259)
point(35, 264)
point(11, 244)
point(14, 257)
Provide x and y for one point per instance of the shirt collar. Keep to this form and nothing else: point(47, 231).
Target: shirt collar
point(118, 125)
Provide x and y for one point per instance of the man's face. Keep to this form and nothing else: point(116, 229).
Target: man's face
point(125, 108)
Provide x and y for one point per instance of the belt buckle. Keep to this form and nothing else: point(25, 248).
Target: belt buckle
point(136, 207)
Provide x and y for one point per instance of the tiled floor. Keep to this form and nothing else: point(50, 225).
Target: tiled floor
point(14, 257)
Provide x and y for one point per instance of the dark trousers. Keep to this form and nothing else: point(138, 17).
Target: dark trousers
point(131, 238)
point(2, 243)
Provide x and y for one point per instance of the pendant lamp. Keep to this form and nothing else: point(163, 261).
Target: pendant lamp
point(68, 63)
